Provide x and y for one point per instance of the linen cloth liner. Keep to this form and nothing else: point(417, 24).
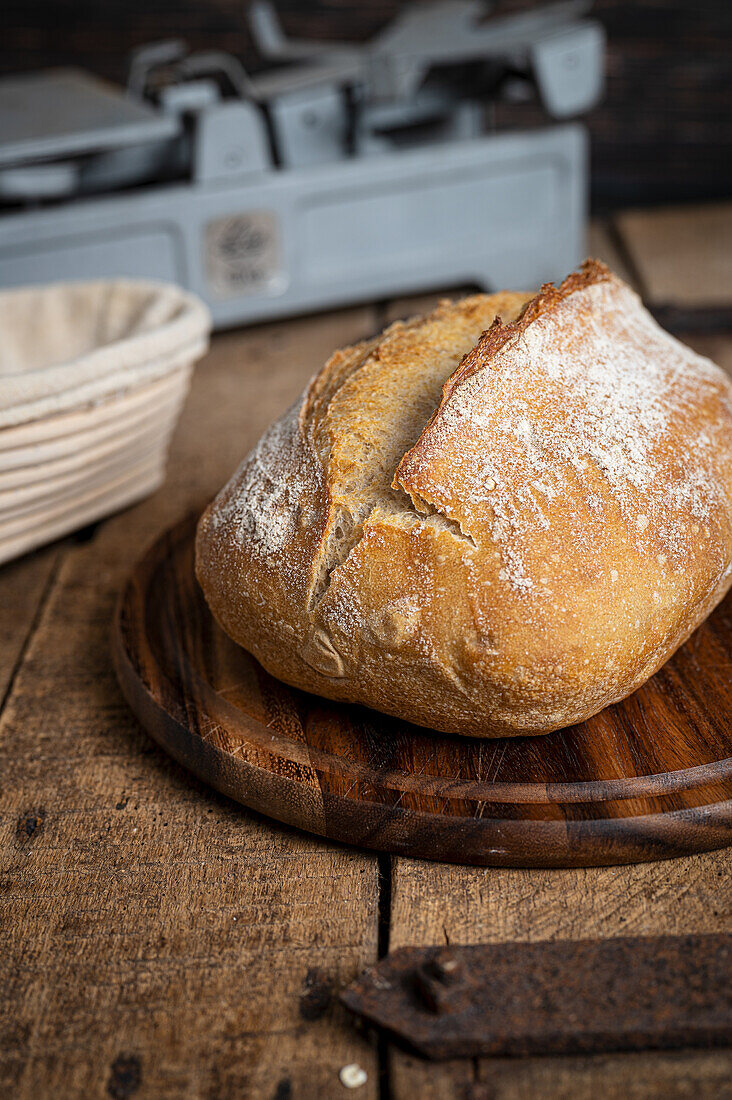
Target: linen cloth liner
point(71, 344)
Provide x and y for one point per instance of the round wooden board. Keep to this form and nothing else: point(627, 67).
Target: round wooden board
point(649, 778)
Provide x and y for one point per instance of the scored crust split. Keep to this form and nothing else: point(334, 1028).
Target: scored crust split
point(493, 520)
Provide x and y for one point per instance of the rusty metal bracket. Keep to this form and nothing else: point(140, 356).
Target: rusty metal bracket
point(565, 997)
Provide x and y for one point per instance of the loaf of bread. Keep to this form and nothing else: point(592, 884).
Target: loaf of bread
point(494, 520)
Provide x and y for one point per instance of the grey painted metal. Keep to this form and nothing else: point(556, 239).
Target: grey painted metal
point(230, 143)
point(66, 112)
point(568, 69)
point(394, 65)
point(289, 192)
point(503, 211)
point(311, 127)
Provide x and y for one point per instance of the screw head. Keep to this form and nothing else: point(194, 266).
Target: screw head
point(446, 966)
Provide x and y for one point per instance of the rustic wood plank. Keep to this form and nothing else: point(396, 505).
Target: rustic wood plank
point(118, 937)
point(156, 939)
point(435, 903)
point(22, 587)
point(504, 904)
point(321, 765)
point(442, 904)
point(683, 254)
point(602, 244)
point(653, 1076)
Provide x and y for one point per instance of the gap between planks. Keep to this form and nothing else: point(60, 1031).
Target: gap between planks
point(25, 586)
point(150, 928)
point(438, 903)
point(416, 902)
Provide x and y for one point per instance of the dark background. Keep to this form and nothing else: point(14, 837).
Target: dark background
point(662, 134)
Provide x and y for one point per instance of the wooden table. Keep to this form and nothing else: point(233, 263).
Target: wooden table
point(157, 940)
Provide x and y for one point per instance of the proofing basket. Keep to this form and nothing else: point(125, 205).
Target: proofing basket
point(92, 379)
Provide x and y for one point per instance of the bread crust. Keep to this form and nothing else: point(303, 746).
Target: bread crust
point(490, 527)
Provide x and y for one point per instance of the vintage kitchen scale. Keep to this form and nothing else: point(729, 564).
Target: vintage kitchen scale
point(647, 779)
point(346, 172)
point(350, 173)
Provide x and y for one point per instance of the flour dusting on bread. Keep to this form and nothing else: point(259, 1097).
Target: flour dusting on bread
point(271, 485)
point(492, 520)
point(585, 383)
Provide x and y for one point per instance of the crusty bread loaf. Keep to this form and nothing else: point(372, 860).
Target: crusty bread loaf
point(486, 532)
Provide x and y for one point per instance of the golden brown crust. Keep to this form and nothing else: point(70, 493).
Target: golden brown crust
point(500, 332)
point(487, 527)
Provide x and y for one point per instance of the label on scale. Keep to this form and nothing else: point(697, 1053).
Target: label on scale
point(243, 254)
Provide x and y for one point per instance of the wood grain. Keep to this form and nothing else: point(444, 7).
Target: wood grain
point(649, 778)
point(22, 588)
point(437, 904)
point(684, 256)
point(156, 940)
point(602, 243)
point(123, 970)
point(682, 1075)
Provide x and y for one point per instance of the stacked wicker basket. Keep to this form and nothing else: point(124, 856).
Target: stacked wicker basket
point(92, 379)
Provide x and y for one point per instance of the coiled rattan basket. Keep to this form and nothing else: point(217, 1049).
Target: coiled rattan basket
point(92, 379)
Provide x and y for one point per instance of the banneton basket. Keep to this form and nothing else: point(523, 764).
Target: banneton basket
point(92, 379)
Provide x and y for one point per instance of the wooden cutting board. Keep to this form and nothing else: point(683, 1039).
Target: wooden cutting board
point(649, 778)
